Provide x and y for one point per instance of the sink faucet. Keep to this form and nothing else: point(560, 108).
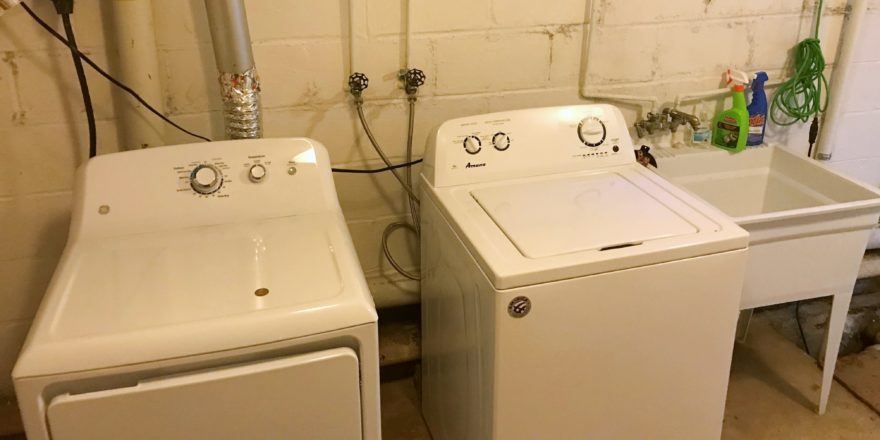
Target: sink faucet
point(678, 117)
point(668, 118)
point(653, 122)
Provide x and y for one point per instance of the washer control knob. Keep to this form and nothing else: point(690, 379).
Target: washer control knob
point(205, 179)
point(257, 173)
point(501, 141)
point(592, 131)
point(472, 144)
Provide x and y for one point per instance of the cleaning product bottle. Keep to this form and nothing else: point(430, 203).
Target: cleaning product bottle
point(703, 133)
point(731, 127)
point(757, 110)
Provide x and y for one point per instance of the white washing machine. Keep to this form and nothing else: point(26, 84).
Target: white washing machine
point(568, 292)
point(207, 291)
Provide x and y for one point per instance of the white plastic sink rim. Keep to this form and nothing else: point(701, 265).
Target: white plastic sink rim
point(786, 214)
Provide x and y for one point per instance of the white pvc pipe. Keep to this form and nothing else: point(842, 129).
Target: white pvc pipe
point(830, 126)
point(137, 65)
point(410, 8)
point(590, 94)
point(715, 93)
point(353, 61)
point(626, 98)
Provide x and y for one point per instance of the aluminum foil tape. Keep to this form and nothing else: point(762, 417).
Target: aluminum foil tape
point(241, 104)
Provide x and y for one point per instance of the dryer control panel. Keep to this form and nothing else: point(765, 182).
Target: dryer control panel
point(531, 142)
point(202, 184)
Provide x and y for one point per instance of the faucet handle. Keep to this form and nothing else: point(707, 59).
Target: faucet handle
point(357, 83)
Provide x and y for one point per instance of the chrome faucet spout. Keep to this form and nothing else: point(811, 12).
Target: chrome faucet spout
point(678, 118)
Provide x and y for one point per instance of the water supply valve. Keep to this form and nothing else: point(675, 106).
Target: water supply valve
point(357, 83)
point(412, 80)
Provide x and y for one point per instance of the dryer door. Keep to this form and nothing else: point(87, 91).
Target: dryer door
point(314, 395)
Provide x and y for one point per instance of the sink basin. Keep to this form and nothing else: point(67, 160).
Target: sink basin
point(808, 224)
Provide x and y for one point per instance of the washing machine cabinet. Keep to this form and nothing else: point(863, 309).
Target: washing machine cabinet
point(207, 291)
point(567, 292)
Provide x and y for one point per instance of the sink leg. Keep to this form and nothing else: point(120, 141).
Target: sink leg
point(839, 309)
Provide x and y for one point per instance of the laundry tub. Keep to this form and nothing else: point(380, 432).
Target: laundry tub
point(808, 225)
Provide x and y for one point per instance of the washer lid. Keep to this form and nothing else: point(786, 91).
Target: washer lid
point(594, 212)
point(541, 229)
point(146, 297)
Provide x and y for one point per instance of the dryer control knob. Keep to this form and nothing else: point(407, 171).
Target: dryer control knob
point(257, 173)
point(205, 179)
point(472, 144)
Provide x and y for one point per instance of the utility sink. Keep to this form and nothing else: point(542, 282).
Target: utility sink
point(808, 225)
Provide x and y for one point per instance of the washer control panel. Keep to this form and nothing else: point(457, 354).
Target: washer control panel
point(592, 131)
point(528, 143)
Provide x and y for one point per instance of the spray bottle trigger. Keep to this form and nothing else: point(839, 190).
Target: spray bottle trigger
point(737, 77)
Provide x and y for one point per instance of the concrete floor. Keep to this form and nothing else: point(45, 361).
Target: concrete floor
point(773, 393)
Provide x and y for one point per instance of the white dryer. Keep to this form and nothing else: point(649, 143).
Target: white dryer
point(568, 292)
point(207, 291)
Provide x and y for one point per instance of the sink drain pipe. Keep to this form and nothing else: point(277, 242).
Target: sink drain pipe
point(239, 82)
point(840, 80)
point(137, 65)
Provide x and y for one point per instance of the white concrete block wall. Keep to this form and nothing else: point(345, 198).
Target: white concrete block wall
point(42, 140)
point(479, 55)
point(856, 144)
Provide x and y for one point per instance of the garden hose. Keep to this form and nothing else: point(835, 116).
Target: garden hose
point(806, 92)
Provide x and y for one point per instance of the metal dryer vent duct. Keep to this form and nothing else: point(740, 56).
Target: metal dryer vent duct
point(239, 82)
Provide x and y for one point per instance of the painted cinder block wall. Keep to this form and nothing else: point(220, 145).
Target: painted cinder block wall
point(479, 55)
point(856, 142)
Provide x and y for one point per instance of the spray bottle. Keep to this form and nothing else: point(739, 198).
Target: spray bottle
point(730, 129)
point(757, 110)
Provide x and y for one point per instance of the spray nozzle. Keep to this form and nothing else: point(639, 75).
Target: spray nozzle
point(737, 78)
point(760, 79)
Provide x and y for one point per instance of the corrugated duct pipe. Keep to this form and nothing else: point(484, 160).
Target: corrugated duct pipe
point(239, 82)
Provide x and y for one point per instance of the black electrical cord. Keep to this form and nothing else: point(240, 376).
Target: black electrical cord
point(377, 170)
point(106, 75)
point(83, 83)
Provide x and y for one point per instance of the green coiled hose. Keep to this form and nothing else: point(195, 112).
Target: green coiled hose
point(806, 92)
